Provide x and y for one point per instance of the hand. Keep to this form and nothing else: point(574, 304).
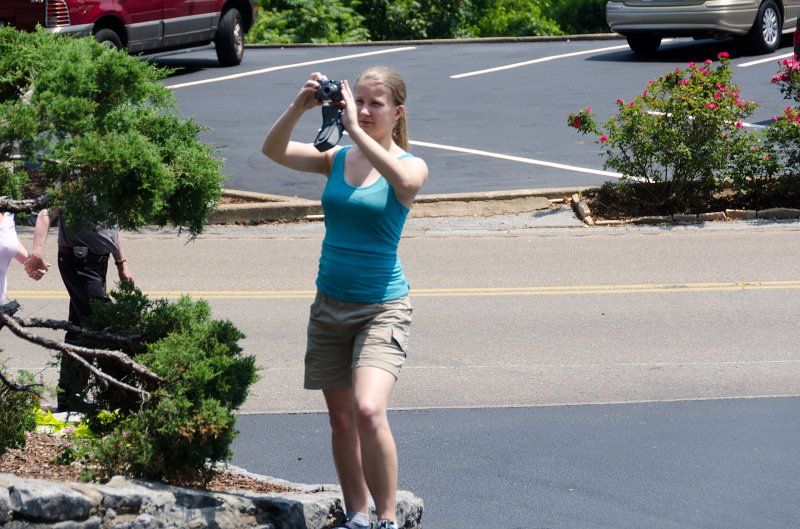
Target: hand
point(349, 116)
point(124, 273)
point(305, 99)
point(36, 267)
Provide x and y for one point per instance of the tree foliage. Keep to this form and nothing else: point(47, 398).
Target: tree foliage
point(106, 137)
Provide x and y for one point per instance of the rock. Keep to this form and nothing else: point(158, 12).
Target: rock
point(48, 501)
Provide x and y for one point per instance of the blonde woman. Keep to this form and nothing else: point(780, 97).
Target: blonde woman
point(360, 320)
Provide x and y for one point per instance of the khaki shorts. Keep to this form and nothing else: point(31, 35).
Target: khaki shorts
point(344, 335)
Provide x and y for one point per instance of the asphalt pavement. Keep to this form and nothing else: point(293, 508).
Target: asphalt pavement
point(721, 464)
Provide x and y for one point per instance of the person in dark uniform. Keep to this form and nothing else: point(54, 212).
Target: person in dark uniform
point(83, 258)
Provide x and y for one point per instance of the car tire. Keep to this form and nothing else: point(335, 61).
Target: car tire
point(765, 35)
point(229, 39)
point(109, 38)
point(644, 44)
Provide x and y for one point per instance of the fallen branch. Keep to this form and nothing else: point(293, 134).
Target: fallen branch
point(22, 206)
point(78, 353)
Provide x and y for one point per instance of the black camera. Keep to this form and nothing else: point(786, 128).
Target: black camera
point(329, 90)
point(331, 131)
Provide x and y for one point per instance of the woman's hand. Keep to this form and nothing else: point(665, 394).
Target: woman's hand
point(349, 117)
point(305, 99)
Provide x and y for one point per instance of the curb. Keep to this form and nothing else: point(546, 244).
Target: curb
point(258, 208)
point(476, 40)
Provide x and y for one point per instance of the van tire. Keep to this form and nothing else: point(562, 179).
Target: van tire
point(109, 38)
point(229, 39)
point(765, 35)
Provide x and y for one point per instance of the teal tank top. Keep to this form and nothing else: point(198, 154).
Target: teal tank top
point(359, 260)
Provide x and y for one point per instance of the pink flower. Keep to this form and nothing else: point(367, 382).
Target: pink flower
point(650, 82)
point(691, 64)
point(126, 434)
point(766, 157)
point(717, 95)
point(741, 103)
point(588, 109)
point(774, 118)
point(576, 122)
point(683, 82)
point(645, 92)
point(711, 105)
point(738, 124)
point(603, 138)
point(724, 55)
point(708, 61)
point(630, 104)
point(619, 101)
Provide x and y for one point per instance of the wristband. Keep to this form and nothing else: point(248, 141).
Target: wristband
point(120, 261)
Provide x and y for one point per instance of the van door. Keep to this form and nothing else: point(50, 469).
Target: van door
point(187, 22)
point(143, 23)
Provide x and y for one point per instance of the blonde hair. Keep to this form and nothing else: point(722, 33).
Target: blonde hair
point(391, 79)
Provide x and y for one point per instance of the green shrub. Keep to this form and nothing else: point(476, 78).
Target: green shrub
point(575, 17)
point(683, 135)
point(17, 411)
point(308, 21)
point(112, 145)
point(416, 19)
point(188, 423)
point(513, 18)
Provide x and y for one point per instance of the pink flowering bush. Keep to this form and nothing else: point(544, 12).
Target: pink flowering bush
point(788, 78)
point(682, 136)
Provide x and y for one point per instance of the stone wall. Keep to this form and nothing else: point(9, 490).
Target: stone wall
point(124, 503)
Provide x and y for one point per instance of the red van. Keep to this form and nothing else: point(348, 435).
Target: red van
point(142, 25)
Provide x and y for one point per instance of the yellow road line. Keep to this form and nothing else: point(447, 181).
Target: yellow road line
point(656, 288)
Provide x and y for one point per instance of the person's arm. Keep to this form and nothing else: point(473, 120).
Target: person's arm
point(22, 254)
point(35, 265)
point(121, 262)
point(406, 176)
point(278, 146)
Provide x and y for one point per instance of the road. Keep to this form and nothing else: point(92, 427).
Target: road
point(535, 352)
point(485, 116)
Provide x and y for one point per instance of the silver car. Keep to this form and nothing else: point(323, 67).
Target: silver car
point(645, 22)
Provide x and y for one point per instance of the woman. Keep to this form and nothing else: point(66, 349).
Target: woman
point(10, 248)
point(359, 323)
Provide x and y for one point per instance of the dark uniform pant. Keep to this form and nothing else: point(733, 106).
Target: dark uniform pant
point(85, 280)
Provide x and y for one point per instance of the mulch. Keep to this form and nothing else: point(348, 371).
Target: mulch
point(36, 461)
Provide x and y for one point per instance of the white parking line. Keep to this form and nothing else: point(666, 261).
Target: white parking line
point(762, 61)
point(534, 61)
point(287, 66)
point(516, 159)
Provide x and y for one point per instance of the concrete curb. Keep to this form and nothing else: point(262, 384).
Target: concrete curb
point(258, 208)
point(483, 40)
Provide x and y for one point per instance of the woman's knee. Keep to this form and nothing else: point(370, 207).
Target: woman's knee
point(371, 416)
point(343, 422)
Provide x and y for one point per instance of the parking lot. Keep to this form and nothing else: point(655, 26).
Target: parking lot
point(485, 116)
